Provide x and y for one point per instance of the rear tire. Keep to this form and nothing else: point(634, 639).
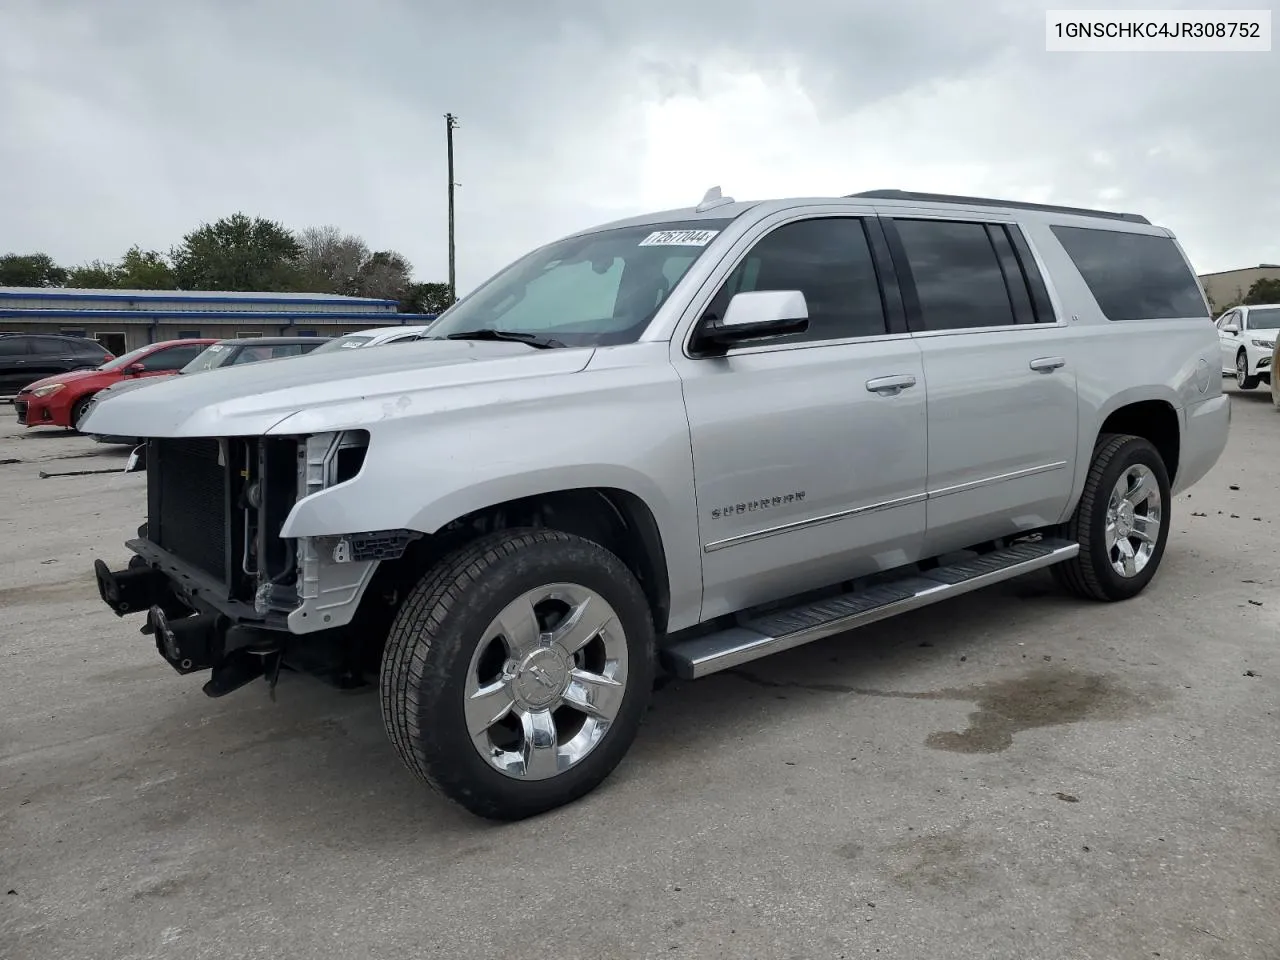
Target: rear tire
point(516, 673)
point(1121, 521)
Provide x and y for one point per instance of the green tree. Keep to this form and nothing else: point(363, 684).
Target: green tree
point(425, 298)
point(385, 275)
point(145, 270)
point(30, 270)
point(238, 253)
point(95, 275)
point(138, 269)
point(1263, 291)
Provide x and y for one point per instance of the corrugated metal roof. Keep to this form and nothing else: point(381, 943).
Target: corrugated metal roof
point(198, 296)
point(276, 317)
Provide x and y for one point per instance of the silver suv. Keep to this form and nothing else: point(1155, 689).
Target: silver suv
point(677, 442)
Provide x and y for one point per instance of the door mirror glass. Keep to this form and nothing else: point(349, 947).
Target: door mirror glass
point(757, 315)
point(135, 368)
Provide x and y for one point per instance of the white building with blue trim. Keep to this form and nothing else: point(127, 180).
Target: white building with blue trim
point(124, 319)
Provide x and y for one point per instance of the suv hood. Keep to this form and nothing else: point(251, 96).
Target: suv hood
point(249, 400)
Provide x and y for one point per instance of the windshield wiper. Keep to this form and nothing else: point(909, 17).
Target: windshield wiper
point(511, 336)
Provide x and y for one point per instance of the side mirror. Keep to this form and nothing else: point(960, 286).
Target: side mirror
point(756, 315)
point(135, 368)
point(1231, 328)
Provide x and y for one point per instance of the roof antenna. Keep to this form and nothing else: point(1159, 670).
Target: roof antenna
point(712, 199)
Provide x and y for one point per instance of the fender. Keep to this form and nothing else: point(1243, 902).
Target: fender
point(621, 429)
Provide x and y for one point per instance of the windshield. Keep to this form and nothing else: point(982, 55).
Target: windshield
point(133, 356)
point(1265, 319)
point(593, 290)
point(214, 355)
point(349, 342)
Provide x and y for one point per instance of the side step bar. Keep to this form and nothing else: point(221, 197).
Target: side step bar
point(784, 629)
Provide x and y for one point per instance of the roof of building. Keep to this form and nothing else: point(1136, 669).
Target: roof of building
point(1260, 266)
point(146, 315)
point(194, 296)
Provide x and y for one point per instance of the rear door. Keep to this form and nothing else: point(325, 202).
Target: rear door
point(49, 356)
point(1000, 369)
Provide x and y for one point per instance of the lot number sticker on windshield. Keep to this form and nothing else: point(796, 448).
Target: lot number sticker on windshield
point(679, 238)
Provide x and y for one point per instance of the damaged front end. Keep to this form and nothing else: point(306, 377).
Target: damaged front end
point(222, 590)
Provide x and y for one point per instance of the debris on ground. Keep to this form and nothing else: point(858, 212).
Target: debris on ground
point(1250, 673)
point(1067, 797)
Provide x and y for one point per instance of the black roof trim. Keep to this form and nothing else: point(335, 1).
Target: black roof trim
point(988, 202)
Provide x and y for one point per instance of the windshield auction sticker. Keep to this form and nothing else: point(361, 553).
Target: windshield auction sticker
point(679, 238)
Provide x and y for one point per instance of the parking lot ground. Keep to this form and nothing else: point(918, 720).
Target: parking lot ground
point(1014, 774)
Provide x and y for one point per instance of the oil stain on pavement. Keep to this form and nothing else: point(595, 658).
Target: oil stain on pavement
point(1046, 697)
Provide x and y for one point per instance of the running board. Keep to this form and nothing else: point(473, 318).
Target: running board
point(784, 629)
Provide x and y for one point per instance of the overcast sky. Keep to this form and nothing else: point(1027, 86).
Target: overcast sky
point(132, 121)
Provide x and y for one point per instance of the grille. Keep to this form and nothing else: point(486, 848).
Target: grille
point(187, 490)
point(21, 407)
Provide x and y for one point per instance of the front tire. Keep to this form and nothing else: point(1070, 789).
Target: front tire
point(1121, 521)
point(1243, 380)
point(516, 674)
point(79, 409)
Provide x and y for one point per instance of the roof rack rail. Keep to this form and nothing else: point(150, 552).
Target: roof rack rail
point(988, 202)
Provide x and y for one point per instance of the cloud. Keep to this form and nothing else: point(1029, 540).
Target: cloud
point(133, 122)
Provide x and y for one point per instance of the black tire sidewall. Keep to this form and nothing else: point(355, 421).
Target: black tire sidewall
point(77, 410)
point(1246, 382)
point(1134, 451)
point(445, 747)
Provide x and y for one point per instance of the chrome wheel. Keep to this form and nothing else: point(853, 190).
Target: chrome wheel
point(1242, 368)
point(546, 681)
point(1133, 520)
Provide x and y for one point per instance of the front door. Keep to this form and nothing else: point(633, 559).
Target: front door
point(808, 470)
point(1001, 371)
point(1229, 341)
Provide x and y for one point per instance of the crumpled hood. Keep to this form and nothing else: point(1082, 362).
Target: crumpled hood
point(250, 399)
point(71, 376)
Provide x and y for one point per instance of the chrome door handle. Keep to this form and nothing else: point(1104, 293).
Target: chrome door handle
point(1045, 364)
point(891, 385)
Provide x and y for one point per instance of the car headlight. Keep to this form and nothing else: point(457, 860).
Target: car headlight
point(1265, 344)
point(48, 390)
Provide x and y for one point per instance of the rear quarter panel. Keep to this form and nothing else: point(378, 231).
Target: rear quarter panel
point(1129, 361)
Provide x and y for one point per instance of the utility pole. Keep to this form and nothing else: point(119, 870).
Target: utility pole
point(451, 123)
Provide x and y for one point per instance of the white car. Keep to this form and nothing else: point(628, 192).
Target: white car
point(373, 338)
point(1247, 336)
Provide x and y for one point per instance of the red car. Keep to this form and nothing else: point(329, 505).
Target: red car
point(58, 401)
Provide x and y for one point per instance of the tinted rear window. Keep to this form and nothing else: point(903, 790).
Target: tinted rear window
point(1133, 276)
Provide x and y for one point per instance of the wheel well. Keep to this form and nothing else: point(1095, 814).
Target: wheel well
point(617, 520)
point(1153, 420)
